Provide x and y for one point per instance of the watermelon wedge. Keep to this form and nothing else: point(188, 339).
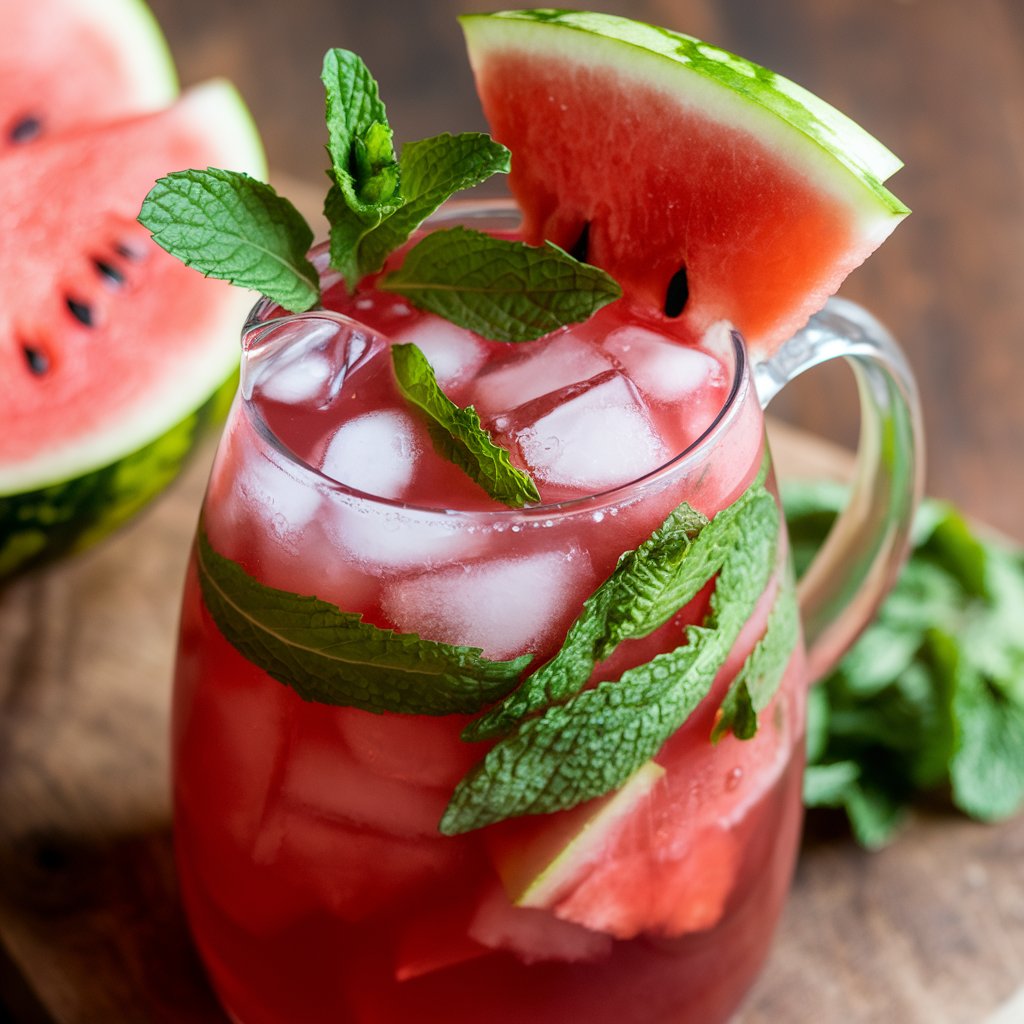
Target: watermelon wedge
point(69, 63)
point(710, 188)
point(113, 353)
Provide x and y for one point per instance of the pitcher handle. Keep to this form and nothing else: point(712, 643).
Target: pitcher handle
point(865, 549)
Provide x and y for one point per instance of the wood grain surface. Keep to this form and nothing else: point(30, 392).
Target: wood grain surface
point(930, 931)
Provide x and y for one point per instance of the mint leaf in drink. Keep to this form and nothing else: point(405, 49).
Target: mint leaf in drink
point(457, 434)
point(230, 226)
point(364, 170)
point(506, 291)
point(759, 678)
point(648, 586)
point(331, 656)
point(432, 170)
point(591, 743)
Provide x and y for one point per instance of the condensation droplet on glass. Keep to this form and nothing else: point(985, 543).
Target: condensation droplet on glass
point(733, 778)
point(598, 517)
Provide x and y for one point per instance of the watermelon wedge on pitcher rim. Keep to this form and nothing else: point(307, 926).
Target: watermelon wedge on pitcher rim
point(710, 188)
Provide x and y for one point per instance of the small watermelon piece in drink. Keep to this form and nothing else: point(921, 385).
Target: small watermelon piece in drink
point(708, 187)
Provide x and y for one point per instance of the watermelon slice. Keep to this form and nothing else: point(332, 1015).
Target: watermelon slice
point(710, 188)
point(68, 63)
point(113, 353)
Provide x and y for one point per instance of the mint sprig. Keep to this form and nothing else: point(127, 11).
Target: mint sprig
point(457, 433)
point(228, 226)
point(930, 700)
point(331, 656)
point(432, 170)
point(235, 228)
point(592, 742)
point(502, 290)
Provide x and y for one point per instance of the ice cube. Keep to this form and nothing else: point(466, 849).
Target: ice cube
point(546, 366)
point(387, 539)
point(598, 437)
point(505, 605)
point(375, 453)
point(665, 369)
point(276, 494)
point(299, 380)
point(453, 352)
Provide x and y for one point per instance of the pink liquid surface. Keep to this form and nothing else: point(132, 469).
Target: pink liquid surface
point(317, 884)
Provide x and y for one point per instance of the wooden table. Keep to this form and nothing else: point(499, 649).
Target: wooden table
point(930, 930)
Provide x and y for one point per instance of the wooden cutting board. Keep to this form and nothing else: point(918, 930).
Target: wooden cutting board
point(930, 930)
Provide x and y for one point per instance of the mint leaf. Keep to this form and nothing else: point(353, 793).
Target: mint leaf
point(648, 586)
point(457, 433)
point(502, 290)
point(230, 226)
point(759, 678)
point(987, 765)
point(591, 743)
point(932, 695)
point(432, 170)
point(332, 657)
point(364, 170)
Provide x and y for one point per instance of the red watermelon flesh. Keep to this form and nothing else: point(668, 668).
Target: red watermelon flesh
point(69, 63)
point(105, 340)
point(685, 184)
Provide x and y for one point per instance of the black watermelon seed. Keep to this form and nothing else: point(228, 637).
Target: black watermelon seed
point(37, 360)
point(80, 311)
point(125, 250)
point(677, 293)
point(27, 128)
point(108, 271)
point(578, 250)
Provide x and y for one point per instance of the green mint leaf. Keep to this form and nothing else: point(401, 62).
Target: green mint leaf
point(364, 171)
point(647, 587)
point(230, 226)
point(506, 291)
point(987, 766)
point(875, 814)
point(457, 433)
point(829, 785)
point(332, 657)
point(591, 743)
point(432, 170)
point(759, 678)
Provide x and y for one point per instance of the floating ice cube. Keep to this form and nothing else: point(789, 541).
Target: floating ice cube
point(596, 438)
point(545, 367)
point(665, 369)
point(276, 494)
point(453, 352)
point(375, 453)
point(506, 606)
point(300, 380)
point(388, 539)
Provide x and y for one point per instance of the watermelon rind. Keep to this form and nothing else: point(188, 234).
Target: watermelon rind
point(68, 494)
point(817, 134)
point(47, 523)
point(130, 25)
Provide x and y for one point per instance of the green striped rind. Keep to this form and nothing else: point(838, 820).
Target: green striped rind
point(43, 524)
point(661, 56)
point(132, 29)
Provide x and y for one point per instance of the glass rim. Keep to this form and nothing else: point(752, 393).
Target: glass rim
point(262, 322)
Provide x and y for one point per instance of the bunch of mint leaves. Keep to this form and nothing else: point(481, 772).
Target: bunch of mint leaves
point(230, 226)
point(930, 700)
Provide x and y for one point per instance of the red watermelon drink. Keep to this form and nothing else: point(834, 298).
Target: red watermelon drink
point(303, 828)
point(490, 690)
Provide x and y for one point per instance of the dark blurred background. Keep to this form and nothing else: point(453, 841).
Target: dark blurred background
point(941, 82)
